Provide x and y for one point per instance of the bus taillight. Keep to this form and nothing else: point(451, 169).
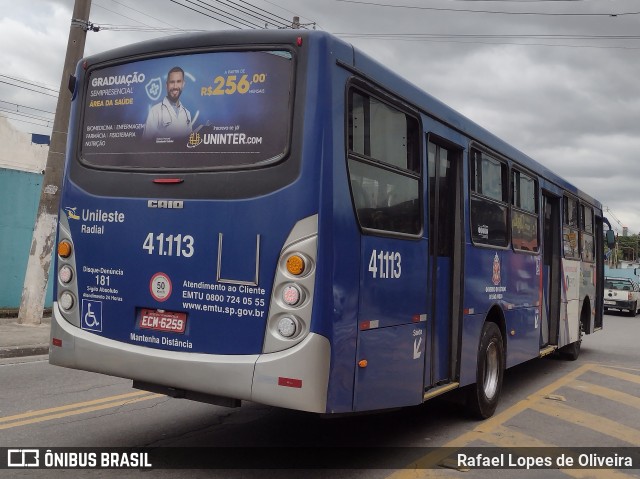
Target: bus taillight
point(296, 264)
point(65, 275)
point(288, 326)
point(289, 320)
point(292, 295)
point(67, 301)
point(64, 249)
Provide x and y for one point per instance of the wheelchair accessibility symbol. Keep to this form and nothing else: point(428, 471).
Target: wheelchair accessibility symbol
point(91, 315)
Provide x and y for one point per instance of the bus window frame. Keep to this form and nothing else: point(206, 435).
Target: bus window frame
point(367, 89)
point(506, 187)
point(280, 158)
point(519, 210)
point(566, 224)
point(582, 206)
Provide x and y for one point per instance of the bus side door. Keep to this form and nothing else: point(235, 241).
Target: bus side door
point(384, 159)
point(392, 319)
point(445, 260)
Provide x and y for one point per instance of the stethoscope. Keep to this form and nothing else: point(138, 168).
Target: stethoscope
point(167, 123)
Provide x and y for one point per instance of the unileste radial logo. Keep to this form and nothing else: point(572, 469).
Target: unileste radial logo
point(72, 213)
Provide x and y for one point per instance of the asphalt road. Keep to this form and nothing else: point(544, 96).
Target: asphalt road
point(548, 402)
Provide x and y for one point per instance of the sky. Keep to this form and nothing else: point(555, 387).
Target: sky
point(557, 79)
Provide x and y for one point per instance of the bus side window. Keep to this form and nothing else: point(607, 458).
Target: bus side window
point(358, 194)
point(524, 212)
point(587, 227)
point(489, 207)
point(570, 228)
point(384, 165)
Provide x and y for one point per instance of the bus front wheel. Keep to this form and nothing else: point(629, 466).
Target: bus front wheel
point(484, 395)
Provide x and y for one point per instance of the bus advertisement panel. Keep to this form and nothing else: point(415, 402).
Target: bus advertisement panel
point(210, 110)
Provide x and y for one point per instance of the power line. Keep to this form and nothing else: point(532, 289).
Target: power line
point(610, 213)
point(279, 21)
point(28, 107)
point(26, 115)
point(13, 81)
point(475, 38)
point(135, 28)
point(25, 121)
point(290, 11)
point(228, 15)
point(495, 12)
point(143, 13)
point(233, 19)
point(30, 83)
point(205, 14)
point(561, 36)
point(27, 88)
point(229, 12)
point(247, 9)
point(118, 13)
point(521, 1)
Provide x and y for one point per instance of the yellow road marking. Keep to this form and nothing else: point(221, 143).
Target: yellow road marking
point(42, 415)
point(504, 436)
point(607, 393)
point(41, 412)
point(486, 427)
point(634, 378)
point(508, 437)
point(590, 421)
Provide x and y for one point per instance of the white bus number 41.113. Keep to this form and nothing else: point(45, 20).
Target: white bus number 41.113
point(385, 264)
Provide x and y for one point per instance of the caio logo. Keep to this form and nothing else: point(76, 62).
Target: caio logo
point(170, 204)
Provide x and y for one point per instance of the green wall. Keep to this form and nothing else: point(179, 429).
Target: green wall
point(19, 196)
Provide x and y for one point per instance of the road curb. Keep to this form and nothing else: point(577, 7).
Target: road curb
point(20, 351)
point(13, 312)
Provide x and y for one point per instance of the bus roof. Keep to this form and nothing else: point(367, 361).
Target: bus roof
point(360, 63)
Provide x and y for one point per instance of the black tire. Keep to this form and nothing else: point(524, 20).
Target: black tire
point(633, 312)
point(483, 396)
point(571, 351)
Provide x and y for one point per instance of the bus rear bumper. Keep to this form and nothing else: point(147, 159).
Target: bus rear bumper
point(296, 378)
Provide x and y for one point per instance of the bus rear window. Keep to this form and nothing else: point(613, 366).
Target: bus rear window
point(199, 111)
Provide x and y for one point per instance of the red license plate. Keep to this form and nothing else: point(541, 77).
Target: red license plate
point(167, 321)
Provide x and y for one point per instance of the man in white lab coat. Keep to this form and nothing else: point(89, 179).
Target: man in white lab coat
point(169, 119)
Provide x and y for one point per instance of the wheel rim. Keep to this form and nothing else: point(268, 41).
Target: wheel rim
point(490, 383)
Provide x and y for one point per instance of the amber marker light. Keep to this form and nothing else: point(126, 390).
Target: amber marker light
point(64, 249)
point(363, 363)
point(295, 265)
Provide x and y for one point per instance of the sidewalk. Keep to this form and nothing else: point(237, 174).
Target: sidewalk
point(22, 339)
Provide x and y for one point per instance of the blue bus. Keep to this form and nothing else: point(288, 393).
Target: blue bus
point(273, 216)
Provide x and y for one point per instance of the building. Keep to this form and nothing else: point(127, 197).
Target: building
point(22, 164)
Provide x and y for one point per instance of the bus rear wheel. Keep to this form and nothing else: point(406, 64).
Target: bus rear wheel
point(484, 395)
point(571, 351)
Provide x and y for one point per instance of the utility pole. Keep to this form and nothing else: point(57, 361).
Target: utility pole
point(43, 242)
